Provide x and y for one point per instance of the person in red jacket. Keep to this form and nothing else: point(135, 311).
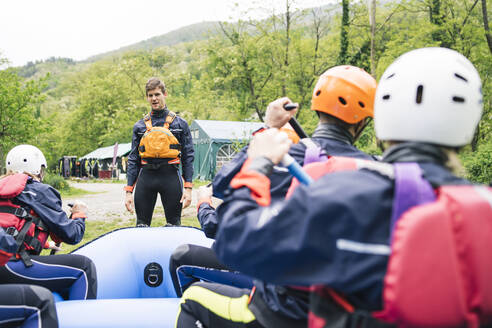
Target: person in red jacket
point(29, 211)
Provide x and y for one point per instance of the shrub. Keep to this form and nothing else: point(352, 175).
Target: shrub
point(478, 164)
point(56, 181)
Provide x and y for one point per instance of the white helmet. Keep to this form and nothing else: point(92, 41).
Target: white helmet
point(431, 95)
point(25, 158)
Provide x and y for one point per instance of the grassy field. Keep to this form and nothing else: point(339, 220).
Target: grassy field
point(72, 191)
point(94, 229)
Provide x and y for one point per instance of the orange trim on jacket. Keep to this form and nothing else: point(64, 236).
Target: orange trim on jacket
point(78, 215)
point(258, 183)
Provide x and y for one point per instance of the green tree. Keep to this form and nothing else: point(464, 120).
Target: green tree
point(19, 118)
point(344, 41)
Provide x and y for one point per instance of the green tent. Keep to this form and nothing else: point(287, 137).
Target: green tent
point(216, 142)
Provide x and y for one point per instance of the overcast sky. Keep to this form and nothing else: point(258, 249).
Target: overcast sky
point(38, 29)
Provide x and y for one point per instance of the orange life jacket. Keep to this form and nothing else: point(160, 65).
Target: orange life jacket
point(158, 141)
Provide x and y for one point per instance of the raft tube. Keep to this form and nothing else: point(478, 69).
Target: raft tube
point(134, 284)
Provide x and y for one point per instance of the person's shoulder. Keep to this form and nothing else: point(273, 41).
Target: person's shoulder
point(138, 124)
point(297, 150)
point(180, 119)
point(41, 189)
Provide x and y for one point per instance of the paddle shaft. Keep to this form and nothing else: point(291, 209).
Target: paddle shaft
point(293, 122)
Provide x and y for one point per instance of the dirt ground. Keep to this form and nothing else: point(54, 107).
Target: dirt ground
point(108, 203)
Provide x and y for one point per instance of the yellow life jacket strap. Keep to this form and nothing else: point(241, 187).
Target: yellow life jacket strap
point(148, 122)
point(169, 119)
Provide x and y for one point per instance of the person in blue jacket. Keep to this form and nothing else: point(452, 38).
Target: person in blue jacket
point(25, 306)
point(151, 176)
point(72, 276)
point(343, 99)
point(336, 232)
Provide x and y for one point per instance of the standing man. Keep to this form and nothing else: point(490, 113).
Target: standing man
point(160, 142)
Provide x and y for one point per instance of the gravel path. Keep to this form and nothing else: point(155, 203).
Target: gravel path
point(108, 203)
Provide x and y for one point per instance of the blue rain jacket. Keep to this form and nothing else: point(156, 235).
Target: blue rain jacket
point(46, 202)
point(281, 178)
point(301, 241)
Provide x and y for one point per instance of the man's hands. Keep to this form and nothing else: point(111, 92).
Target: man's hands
point(276, 116)
point(129, 202)
point(79, 207)
point(204, 193)
point(271, 144)
point(186, 198)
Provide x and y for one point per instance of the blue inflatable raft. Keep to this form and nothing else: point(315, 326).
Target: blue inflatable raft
point(134, 285)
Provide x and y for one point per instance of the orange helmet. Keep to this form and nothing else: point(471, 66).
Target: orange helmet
point(346, 92)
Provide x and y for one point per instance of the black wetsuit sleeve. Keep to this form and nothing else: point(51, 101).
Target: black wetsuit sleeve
point(133, 167)
point(187, 151)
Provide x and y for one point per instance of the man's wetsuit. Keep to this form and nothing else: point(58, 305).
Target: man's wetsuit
point(158, 176)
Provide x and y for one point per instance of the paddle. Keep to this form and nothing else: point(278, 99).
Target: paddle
point(293, 122)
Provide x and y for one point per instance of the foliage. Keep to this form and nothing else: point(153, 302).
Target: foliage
point(20, 117)
point(478, 164)
point(56, 181)
point(233, 73)
point(199, 183)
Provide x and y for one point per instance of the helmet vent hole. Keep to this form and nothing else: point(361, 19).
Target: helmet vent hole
point(458, 99)
point(361, 104)
point(25, 159)
point(342, 100)
point(318, 92)
point(390, 76)
point(386, 97)
point(460, 77)
point(420, 92)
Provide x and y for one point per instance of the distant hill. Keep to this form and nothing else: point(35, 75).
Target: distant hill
point(198, 31)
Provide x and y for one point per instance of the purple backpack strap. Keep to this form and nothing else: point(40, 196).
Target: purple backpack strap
point(411, 189)
point(313, 153)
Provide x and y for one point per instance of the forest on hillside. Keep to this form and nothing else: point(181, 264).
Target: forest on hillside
point(71, 108)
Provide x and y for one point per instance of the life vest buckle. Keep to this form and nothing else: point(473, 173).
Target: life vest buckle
point(21, 212)
point(12, 231)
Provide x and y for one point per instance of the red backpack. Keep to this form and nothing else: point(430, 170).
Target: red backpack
point(440, 269)
point(439, 272)
point(22, 223)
